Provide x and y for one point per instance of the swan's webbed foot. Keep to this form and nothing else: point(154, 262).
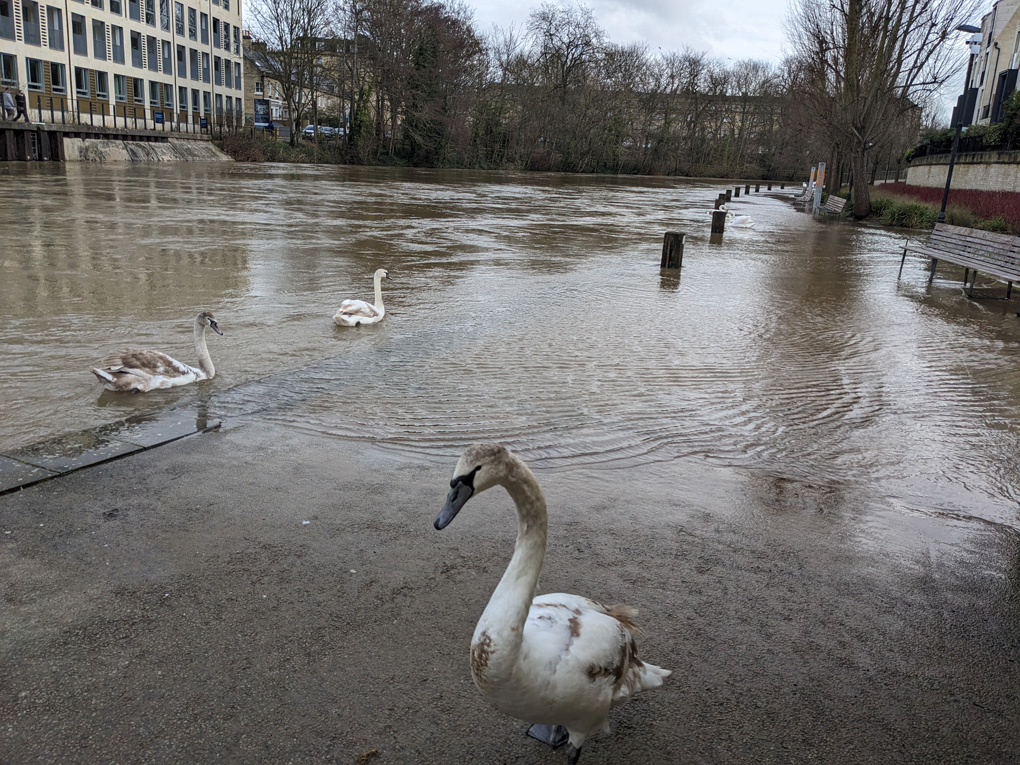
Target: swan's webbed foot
point(573, 755)
point(553, 735)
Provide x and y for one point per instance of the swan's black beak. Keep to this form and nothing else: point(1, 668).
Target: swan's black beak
point(455, 500)
point(214, 326)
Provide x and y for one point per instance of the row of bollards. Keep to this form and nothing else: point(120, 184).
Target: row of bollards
point(673, 241)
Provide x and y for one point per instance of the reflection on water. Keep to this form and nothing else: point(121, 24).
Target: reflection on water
point(528, 309)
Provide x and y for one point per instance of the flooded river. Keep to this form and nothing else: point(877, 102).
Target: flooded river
point(528, 309)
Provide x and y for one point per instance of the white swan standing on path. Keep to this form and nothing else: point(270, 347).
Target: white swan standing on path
point(556, 660)
point(353, 313)
point(137, 371)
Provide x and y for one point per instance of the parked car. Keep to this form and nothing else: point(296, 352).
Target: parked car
point(325, 131)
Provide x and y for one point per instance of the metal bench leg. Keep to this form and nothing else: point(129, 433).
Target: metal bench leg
point(931, 275)
point(902, 261)
point(970, 292)
point(966, 273)
point(1009, 289)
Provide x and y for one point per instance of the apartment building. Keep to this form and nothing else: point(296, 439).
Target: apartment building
point(158, 60)
point(993, 71)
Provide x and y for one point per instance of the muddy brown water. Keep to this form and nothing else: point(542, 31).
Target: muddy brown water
point(523, 308)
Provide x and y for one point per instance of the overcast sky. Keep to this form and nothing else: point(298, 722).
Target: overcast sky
point(734, 29)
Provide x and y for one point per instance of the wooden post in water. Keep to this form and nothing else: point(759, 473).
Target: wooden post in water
point(720, 200)
point(747, 188)
point(729, 195)
point(782, 185)
point(736, 191)
point(672, 250)
point(769, 187)
point(718, 221)
point(757, 188)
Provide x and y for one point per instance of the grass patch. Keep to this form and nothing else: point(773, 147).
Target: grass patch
point(246, 148)
point(898, 204)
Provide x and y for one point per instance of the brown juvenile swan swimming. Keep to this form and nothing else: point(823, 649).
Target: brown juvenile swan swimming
point(560, 661)
point(137, 371)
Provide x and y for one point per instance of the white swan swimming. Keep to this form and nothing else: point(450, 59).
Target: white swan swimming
point(136, 371)
point(732, 219)
point(353, 313)
point(556, 660)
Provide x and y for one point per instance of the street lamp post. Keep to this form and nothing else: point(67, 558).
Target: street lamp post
point(959, 118)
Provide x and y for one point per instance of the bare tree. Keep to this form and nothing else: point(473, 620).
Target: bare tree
point(291, 29)
point(864, 63)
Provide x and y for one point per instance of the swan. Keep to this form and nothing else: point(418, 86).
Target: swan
point(732, 219)
point(138, 371)
point(353, 313)
point(559, 661)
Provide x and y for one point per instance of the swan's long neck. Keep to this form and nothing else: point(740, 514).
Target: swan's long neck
point(204, 360)
point(502, 622)
point(378, 291)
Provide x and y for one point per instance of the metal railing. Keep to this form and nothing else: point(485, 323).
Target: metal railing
point(57, 110)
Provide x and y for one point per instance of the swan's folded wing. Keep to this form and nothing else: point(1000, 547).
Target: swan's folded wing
point(135, 360)
point(358, 308)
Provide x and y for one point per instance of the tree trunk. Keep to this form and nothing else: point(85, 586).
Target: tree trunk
point(862, 192)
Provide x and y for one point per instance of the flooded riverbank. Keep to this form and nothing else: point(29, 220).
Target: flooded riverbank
point(523, 308)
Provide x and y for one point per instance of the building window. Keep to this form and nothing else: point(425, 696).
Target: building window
point(97, 4)
point(182, 98)
point(219, 104)
point(138, 86)
point(168, 61)
point(205, 67)
point(153, 93)
point(79, 43)
point(136, 49)
point(117, 44)
point(237, 40)
point(226, 36)
point(99, 39)
point(30, 23)
point(55, 27)
point(182, 61)
point(35, 74)
point(226, 5)
point(205, 29)
point(237, 75)
point(120, 88)
point(179, 19)
point(115, 7)
point(258, 87)
point(228, 74)
point(134, 10)
point(57, 79)
point(164, 15)
point(168, 97)
point(150, 12)
point(217, 70)
point(206, 102)
point(192, 24)
point(81, 82)
point(6, 19)
point(195, 71)
point(216, 33)
point(194, 101)
point(153, 51)
point(8, 70)
point(102, 85)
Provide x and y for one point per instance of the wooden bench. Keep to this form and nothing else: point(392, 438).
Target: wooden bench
point(833, 206)
point(977, 251)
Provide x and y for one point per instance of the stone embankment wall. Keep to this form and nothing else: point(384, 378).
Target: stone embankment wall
point(105, 150)
point(985, 171)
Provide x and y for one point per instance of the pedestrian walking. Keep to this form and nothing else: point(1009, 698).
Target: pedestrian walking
point(22, 106)
point(8, 104)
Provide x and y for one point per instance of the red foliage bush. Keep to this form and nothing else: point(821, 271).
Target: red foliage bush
point(987, 205)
